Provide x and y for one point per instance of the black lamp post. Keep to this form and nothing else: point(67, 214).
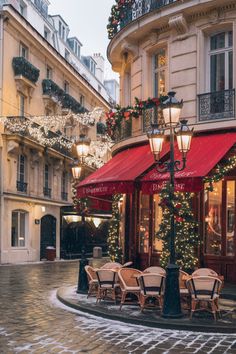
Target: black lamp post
point(171, 109)
point(82, 147)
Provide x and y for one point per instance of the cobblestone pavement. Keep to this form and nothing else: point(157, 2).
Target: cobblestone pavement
point(33, 321)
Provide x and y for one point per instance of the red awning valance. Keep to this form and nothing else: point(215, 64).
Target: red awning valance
point(206, 151)
point(118, 175)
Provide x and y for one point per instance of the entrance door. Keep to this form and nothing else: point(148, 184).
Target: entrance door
point(47, 234)
point(149, 221)
point(219, 231)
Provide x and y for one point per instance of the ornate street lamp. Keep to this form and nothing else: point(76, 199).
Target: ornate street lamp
point(82, 148)
point(76, 170)
point(171, 109)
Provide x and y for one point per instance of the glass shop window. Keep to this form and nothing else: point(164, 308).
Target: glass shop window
point(144, 224)
point(230, 218)
point(213, 222)
point(157, 217)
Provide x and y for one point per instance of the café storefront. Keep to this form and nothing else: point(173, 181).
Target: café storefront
point(132, 173)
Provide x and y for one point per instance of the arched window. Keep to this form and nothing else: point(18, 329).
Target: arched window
point(18, 228)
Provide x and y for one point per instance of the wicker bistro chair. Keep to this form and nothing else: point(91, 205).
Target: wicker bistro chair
point(204, 272)
point(184, 291)
point(107, 284)
point(128, 283)
point(127, 264)
point(111, 265)
point(152, 285)
point(92, 280)
point(156, 270)
point(205, 290)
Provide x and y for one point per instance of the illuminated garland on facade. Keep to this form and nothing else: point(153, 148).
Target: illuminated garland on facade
point(114, 249)
point(186, 228)
point(220, 172)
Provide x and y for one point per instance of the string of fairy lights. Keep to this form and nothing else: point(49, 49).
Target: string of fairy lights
point(114, 249)
point(220, 171)
point(49, 131)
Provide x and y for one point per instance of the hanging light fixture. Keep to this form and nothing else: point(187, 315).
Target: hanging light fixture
point(156, 138)
point(76, 171)
point(82, 146)
point(184, 137)
point(171, 109)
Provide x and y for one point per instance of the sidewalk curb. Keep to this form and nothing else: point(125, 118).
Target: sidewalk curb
point(162, 323)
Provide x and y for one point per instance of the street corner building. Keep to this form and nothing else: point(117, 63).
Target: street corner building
point(187, 47)
point(44, 80)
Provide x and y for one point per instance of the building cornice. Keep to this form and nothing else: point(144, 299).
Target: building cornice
point(10, 10)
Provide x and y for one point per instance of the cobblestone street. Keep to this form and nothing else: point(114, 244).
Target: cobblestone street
point(33, 321)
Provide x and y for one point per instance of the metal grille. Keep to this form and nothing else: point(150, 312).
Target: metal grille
point(217, 105)
point(124, 131)
point(21, 186)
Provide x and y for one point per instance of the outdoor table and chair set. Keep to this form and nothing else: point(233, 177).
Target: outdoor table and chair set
point(200, 290)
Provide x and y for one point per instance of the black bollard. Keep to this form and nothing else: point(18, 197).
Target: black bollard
point(82, 279)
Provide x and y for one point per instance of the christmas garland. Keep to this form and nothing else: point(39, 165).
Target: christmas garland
point(186, 229)
point(119, 114)
point(220, 172)
point(114, 249)
point(118, 12)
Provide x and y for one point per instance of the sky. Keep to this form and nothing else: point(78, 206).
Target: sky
point(87, 20)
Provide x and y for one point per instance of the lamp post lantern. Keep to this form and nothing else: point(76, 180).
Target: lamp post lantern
point(82, 148)
point(171, 109)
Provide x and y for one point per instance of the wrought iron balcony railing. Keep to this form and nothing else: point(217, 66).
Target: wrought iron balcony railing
point(130, 12)
point(23, 67)
point(64, 196)
point(124, 131)
point(216, 105)
point(47, 192)
point(149, 116)
point(21, 186)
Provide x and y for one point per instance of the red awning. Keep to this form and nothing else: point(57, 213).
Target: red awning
point(206, 151)
point(118, 175)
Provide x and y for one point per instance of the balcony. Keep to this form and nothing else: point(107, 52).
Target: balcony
point(21, 186)
point(47, 192)
point(58, 95)
point(22, 126)
point(64, 196)
point(129, 13)
point(216, 105)
point(23, 67)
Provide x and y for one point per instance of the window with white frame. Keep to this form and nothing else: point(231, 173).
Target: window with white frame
point(18, 228)
point(64, 185)
point(81, 100)
point(46, 176)
point(24, 51)
point(160, 72)
point(66, 86)
point(48, 72)
point(21, 105)
point(46, 33)
point(23, 8)
point(21, 168)
point(221, 61)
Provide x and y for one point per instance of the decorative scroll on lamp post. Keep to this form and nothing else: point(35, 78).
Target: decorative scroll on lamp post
point(82, 148)
point(171, 109)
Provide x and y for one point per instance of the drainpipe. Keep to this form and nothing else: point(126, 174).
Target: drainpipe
point(1, 147)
